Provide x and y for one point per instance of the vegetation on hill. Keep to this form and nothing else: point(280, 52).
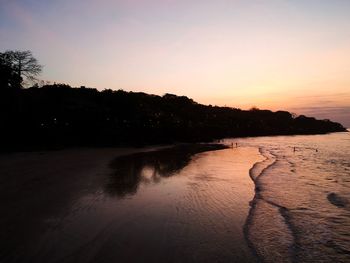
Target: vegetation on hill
point(59, 115)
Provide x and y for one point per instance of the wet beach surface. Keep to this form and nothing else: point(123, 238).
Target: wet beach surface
point(271, 199)
point(301, 210)
point(182, 204)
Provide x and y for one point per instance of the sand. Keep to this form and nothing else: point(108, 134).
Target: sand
point(74, 206)
point(38, 186)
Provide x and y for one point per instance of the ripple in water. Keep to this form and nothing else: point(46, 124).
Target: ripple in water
point(301, 211)
point(200, 205)
point(184, 204)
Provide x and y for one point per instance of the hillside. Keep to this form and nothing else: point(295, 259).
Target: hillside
point(59, 116)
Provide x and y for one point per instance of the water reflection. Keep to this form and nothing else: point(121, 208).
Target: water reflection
point(150, 167)
point(302, 211)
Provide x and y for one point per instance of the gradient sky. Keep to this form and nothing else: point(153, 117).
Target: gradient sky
point(278, 54)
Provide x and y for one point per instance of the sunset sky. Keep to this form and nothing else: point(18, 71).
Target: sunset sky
point(278, 54)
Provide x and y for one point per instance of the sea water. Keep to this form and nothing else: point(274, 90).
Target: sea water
point(269, 199)
point(301, 208)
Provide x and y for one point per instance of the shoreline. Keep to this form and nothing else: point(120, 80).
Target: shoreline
point(60, 197)
point(37, 187)
point(4, 152)
point(286, 249)
point(62, 189)
point(305, 183)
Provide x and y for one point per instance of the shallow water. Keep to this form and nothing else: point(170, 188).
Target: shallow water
point(271, 199)
point(301, 211)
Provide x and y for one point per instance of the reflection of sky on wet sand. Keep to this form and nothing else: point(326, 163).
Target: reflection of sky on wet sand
point(303, 207)
point(185, 208)
point(131, 170)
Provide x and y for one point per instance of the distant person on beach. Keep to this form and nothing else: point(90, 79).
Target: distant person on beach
point(232, 144)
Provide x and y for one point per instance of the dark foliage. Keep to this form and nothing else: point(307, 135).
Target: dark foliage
point(15, 65)
point(58, 115)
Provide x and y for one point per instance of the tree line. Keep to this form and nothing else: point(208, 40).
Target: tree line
point(58, 115)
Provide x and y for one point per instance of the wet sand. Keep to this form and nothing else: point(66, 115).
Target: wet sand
point(38, 189)
point(90, 205)
point(301, 210)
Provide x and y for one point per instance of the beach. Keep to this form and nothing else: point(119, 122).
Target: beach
point(301, 208)
point(39, 188)
point(92, 205)
point(270, 199)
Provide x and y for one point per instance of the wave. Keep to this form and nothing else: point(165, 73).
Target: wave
point(268, 229)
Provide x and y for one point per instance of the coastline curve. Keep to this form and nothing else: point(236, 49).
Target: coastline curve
point(268, 230)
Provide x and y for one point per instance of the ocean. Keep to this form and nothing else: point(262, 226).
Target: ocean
point(262, 199)
point(301, 208)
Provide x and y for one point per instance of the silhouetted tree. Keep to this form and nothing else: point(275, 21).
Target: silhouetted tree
point(7, 75)
point(15, 65)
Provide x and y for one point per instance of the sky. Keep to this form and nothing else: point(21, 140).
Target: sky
point(279, 54)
